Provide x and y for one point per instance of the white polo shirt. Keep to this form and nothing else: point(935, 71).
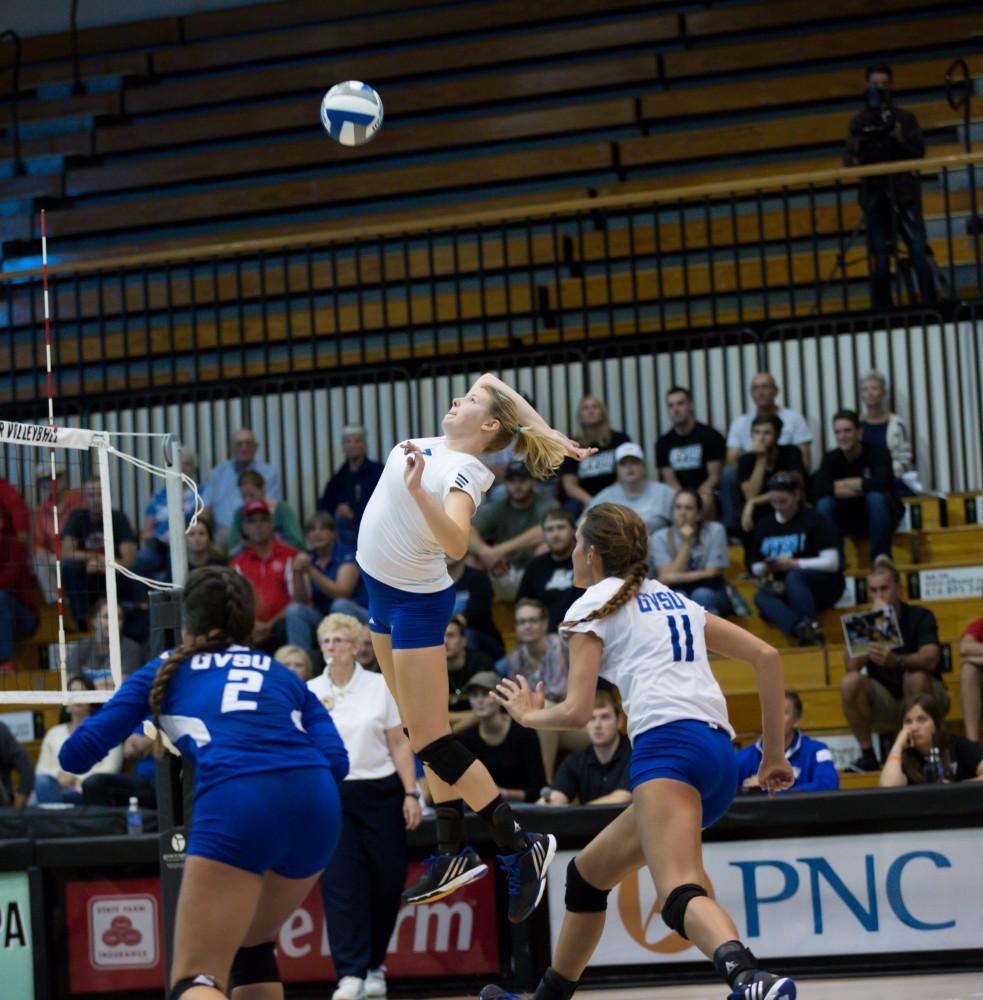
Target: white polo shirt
point(362, 711)
point(395, 544)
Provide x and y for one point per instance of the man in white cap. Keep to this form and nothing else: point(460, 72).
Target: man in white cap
point(652, 501)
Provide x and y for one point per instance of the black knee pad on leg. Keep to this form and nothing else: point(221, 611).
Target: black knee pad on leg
point(447, 758)
point(183, 985)
point(674, 911)
point(256, 964)
point(581, 896)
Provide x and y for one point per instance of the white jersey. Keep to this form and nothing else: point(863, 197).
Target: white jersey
point(655, 652)
point(395, 544)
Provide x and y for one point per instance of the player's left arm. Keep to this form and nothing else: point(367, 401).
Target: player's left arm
point(730, 640)
point(108, 728)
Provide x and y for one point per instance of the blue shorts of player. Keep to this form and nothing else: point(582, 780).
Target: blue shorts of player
point(415, 621)
point(697, 753)
point(286, 822)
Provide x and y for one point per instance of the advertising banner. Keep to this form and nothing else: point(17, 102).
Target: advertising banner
point(16, 950)
point(115, 941)
point(888, 892)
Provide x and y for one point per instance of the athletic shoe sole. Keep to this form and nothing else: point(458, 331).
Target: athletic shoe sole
point(783, 989)
point(465, 878)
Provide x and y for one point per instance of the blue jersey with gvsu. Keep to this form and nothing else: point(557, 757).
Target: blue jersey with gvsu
point(234, 712)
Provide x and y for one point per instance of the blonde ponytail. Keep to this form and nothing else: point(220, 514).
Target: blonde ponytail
point(542, 454)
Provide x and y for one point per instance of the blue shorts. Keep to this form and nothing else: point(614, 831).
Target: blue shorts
point(697, 753)
point(286, 822)
point(415, 621)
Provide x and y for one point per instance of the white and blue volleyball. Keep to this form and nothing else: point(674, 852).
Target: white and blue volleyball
point(351, 112)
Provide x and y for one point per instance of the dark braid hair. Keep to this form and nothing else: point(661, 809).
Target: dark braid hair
point(218, 610)
point(619, 537)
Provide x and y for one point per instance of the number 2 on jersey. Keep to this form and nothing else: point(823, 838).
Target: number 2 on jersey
point(677, 647)
point(241, 682)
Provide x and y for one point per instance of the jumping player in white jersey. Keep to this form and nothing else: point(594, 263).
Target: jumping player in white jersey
point(419, 516)
point(652, 643)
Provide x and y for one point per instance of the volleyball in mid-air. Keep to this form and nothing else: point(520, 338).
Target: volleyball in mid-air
point(351, 112)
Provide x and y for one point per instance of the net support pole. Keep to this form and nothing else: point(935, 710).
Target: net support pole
point(175, 510)
point(109, 548)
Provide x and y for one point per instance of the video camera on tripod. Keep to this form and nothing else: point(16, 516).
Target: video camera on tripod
point(873, 130)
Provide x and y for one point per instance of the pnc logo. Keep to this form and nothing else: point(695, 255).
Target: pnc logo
point(639, 910)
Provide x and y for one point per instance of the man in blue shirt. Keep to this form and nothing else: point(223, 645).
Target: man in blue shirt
point(221, 493)
point(812, 761)
point(349, 489)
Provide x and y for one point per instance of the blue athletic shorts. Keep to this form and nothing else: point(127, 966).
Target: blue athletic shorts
point(698, 753)
point(287, 822)
point(415, 621)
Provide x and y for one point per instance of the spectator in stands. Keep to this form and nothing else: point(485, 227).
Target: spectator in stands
point(154, 557)
point(362, 884)
point(286, 525)
point(597, 775)
point(333, 581)
point(549, 577)
point(89, 656)
point(794, 430)
point(923, 729)
point(539, 654)
point(296, 659)
point(795, 553)
point(108, 789)
point(652, 501)
point(854, 486)
point(876, 684)
point(971, 677)
point(18, 604)
point(473, 599)
point(881, 426)
point(16, 506)
point(43, 525)
point(756, 466)
point(268, 565)
point(690, 455)
point(348, 490)
point(509, 751)
point(83, 553)
point(812, 761)
point(506, 534)
point(13, 757)
point(581, 481)
point(51, 783)
point(691, 556)
point(462, 664)
point(892, 203)
point(200, 544)
point(365, 652)
point(221, 492)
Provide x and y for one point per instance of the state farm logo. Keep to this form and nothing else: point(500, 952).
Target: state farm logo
point(639, 910)
point(123, 932)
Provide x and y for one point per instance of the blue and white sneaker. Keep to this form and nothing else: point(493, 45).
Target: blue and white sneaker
point(497, 993)
point(445, 874)
point(765, 986)
point(526, 873)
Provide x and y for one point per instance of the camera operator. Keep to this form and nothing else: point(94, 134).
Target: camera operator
point(892, 203)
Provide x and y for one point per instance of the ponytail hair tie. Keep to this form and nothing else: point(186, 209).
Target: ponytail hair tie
point(518, 429)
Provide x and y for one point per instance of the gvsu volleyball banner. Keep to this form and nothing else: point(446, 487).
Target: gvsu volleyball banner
point(43, 436)
point(115, 942)
point(876, 893)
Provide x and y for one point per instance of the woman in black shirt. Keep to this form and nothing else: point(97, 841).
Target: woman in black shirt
point(462, 664)
point(582, 481)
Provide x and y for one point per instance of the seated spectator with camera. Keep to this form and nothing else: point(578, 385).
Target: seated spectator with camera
point(795, 555)
point(854, 486)
point(882, 132)
point(463, 663)
point(812, 761)
point(765, 458)
point(876, 683)
point(597, 775)
point(924, 753)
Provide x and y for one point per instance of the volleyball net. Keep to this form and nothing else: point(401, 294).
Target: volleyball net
point(75, 573)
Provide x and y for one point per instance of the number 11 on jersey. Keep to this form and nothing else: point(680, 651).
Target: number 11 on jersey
point(674, 638)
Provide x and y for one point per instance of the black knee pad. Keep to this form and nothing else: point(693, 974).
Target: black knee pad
point(581, 896)
point(674, 910)
point(447, 758)
point(183, 985)
point(256, 964)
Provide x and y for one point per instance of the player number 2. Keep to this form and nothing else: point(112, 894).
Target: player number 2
point(674, 638)
point(241, 682)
